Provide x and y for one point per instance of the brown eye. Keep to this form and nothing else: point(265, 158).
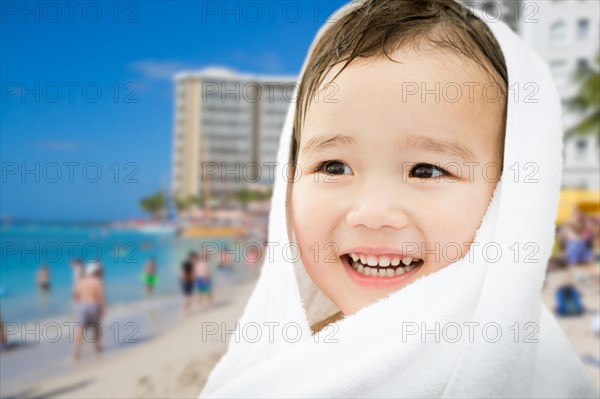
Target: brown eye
point(335, 168)
point(427, 171)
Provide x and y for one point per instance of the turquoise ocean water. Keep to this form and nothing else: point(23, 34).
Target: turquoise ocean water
point(123, 253)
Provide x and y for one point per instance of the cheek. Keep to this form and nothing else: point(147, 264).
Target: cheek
point(310, 218)
point(454, 225)
point(312, 222)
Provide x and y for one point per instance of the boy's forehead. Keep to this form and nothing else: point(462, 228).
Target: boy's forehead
point(422, 93)
point(425, 67)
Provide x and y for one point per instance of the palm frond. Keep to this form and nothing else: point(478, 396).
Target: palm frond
point(587, 101)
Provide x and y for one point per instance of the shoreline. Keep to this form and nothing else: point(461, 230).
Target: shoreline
point(126, 327)
point(175, 364)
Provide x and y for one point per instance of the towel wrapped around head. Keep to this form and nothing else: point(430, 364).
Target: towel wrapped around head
point(475, 328)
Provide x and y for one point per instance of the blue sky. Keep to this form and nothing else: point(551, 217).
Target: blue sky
point(87, 103)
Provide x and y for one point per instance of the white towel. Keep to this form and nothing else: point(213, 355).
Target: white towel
point(374, 353)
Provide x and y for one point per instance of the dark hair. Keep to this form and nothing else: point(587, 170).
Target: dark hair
point(375, 25)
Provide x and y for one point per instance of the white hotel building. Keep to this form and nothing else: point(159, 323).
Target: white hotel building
point(566, 34)
point(227, 128)
point(232, 121)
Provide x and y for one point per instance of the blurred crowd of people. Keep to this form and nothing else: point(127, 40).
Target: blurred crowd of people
point(578, 240)
point(196, 279)
point(195, 276)
point(577, 250)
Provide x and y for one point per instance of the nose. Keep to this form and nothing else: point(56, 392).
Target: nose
point(376, 207)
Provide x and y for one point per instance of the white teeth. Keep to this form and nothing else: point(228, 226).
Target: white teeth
point(384, 261)
point(372, 260)
point(359, 263)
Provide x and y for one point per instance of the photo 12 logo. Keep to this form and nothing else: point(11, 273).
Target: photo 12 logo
point(68, 172)
point(70, 92)
point(267, 331)
point(51, 12)
point(251, 12)
point(53, 332)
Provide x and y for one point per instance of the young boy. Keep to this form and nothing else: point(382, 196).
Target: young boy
point(403, 160)
point(398, 144)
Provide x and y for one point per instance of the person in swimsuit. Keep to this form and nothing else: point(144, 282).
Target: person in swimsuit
point(91, 305)
point(203, 279)
point(149, 276)
point(3, 337)
point(187, 281)
point(43, 278)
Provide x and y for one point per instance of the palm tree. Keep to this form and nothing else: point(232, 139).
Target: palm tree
point(587, 101)
point(155, 204)
point(184, 203)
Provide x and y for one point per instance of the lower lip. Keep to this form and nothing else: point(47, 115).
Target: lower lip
point(377, 282)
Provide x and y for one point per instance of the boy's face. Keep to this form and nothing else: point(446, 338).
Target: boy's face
point(373, 135)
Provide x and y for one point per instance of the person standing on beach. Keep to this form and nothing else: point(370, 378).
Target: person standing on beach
point(3, 338)
point(187, 281)
point(149, 277)
point(203, 279)
point(43, 278)
point(577, 250)
point(91, 306)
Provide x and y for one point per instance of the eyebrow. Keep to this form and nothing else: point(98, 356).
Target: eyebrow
point(440, 145)
point(321, 143)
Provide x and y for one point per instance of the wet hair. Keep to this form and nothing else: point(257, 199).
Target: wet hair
point(376, 27)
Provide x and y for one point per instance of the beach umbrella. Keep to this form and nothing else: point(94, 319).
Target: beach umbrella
point(587, 201)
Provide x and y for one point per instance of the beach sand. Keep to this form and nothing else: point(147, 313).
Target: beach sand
point(579, 329)
point(177, 363)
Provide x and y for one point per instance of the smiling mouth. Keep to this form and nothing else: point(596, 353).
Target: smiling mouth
point(382, 266)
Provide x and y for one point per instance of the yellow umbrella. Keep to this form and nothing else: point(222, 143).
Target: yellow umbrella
point(587, 201)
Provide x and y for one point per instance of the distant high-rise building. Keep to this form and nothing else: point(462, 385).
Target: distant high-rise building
point(566, 34)
point(227, 125)
point(227, 128)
